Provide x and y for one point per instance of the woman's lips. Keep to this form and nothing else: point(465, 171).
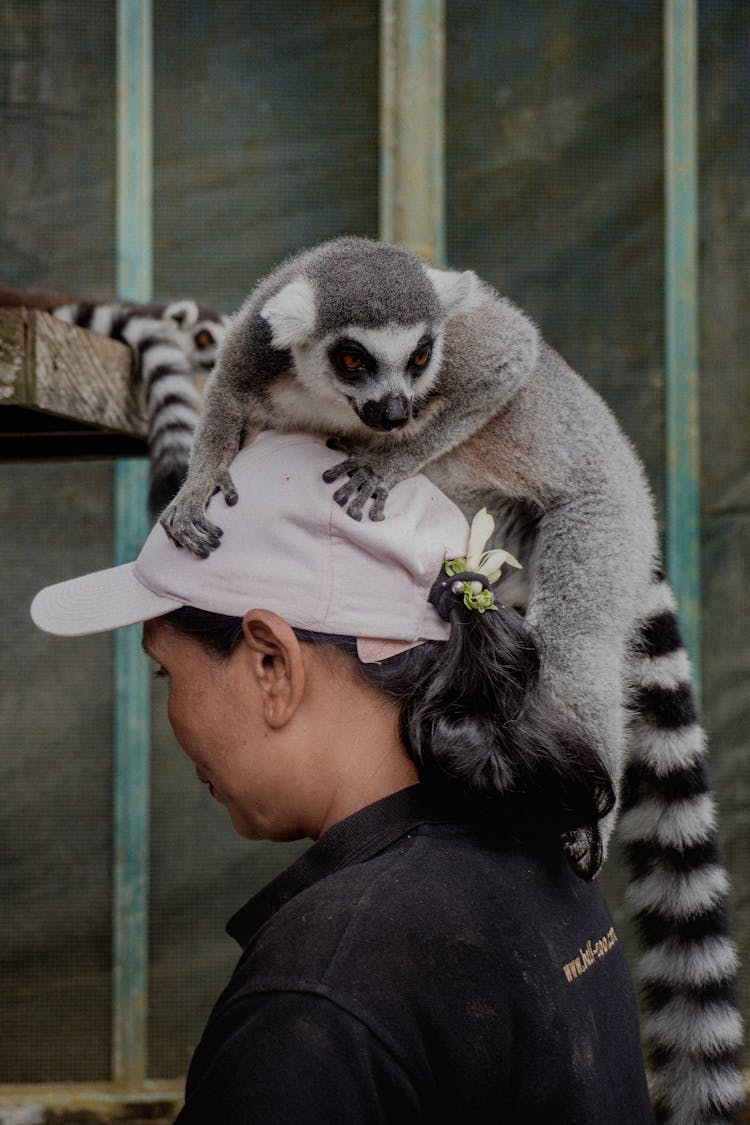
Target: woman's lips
point(202, 778)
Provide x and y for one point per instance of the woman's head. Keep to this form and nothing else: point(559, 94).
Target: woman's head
point(286, 734)
point(470, 713)
point(378, 601)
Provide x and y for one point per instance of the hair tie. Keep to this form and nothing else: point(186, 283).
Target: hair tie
point(468, 586)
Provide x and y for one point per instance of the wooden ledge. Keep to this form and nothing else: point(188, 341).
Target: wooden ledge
point(65, 392)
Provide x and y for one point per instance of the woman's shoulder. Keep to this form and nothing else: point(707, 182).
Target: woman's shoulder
point(446, 888)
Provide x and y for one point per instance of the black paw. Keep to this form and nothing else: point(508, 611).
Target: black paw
point(186, 525)
point(363, 484)
point(185, 522)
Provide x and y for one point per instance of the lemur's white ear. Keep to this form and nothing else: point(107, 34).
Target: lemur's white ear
point(184, 313)
point(457, 291)
point(291, 313)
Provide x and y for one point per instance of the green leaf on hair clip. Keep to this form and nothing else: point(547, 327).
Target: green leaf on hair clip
point(481, 600)
point(455, 566)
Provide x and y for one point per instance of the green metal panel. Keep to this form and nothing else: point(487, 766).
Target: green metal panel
point(682, 402)
point(132, 695)
point(412, 125)
point(134, 149)
point(131, 750)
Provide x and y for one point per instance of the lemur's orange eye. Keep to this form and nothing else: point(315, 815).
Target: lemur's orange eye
point(204, 339)
point(350, 360)
point(420, 358)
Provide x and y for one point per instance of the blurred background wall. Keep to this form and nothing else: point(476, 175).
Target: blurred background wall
point(266, 140)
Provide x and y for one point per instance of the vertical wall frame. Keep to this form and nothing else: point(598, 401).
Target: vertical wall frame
point(132, 720)
point(682, 316)
point(412, 125)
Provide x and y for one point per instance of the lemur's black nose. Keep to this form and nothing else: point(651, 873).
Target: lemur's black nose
point(387, 414)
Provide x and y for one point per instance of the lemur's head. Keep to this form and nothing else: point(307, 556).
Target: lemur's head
point(364, 322)
point(199, 331)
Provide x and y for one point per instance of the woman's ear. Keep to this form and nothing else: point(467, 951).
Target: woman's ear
point(276, 665)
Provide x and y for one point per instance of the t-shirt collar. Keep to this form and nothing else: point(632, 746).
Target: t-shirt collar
point(352, 840)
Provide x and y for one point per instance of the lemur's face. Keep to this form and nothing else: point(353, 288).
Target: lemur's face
point(201, 343)
point(199, 338)
point(382, 373)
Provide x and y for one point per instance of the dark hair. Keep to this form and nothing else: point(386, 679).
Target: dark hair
point(478, 722)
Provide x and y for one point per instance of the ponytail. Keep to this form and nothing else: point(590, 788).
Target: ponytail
point(478, 724)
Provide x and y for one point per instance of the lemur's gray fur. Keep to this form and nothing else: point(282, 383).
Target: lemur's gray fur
point(416, 368)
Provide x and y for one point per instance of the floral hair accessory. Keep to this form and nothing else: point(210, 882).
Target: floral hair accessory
point(473, 575)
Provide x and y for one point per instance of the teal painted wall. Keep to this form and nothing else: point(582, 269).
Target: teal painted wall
point(266, 140)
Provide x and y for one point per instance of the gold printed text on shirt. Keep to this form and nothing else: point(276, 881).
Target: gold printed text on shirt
point(593, 951)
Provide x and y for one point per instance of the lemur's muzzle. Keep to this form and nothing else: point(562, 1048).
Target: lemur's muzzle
point(387, 413)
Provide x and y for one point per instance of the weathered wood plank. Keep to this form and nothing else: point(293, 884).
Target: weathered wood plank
point(66, 391)
point(67, 371)
point(12, 356)
point(82, 376)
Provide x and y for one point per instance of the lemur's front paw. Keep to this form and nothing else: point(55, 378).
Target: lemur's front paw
point(185, 522)
point(363, 484)
point(187, 526)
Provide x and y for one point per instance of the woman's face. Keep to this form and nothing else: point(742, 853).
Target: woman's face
point(288, 738)
point(216, 712)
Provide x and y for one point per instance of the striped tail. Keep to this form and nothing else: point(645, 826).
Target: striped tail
point(173, 405)
point(679, 887)
point(172, 399)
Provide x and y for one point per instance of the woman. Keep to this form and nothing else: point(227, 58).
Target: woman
point(440, 953)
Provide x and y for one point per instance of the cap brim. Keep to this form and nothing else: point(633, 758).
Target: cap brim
point(98, 603)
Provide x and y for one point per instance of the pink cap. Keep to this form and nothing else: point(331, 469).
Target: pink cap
point(287, 547)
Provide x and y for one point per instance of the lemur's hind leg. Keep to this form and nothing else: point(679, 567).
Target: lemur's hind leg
point(581, 604)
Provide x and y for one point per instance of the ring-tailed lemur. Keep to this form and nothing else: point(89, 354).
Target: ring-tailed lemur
point(170, 343)
point(414, 368)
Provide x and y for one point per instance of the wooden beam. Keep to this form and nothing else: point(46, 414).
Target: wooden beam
point(68, 373)
point(66, 392)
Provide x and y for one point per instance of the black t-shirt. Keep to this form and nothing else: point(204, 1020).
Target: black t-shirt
point(410, 968)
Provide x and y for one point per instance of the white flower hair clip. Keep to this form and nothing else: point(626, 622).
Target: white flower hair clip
point(474, 574)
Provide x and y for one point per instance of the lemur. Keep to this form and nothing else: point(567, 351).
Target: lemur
point(413, 368)
point(170, 343)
